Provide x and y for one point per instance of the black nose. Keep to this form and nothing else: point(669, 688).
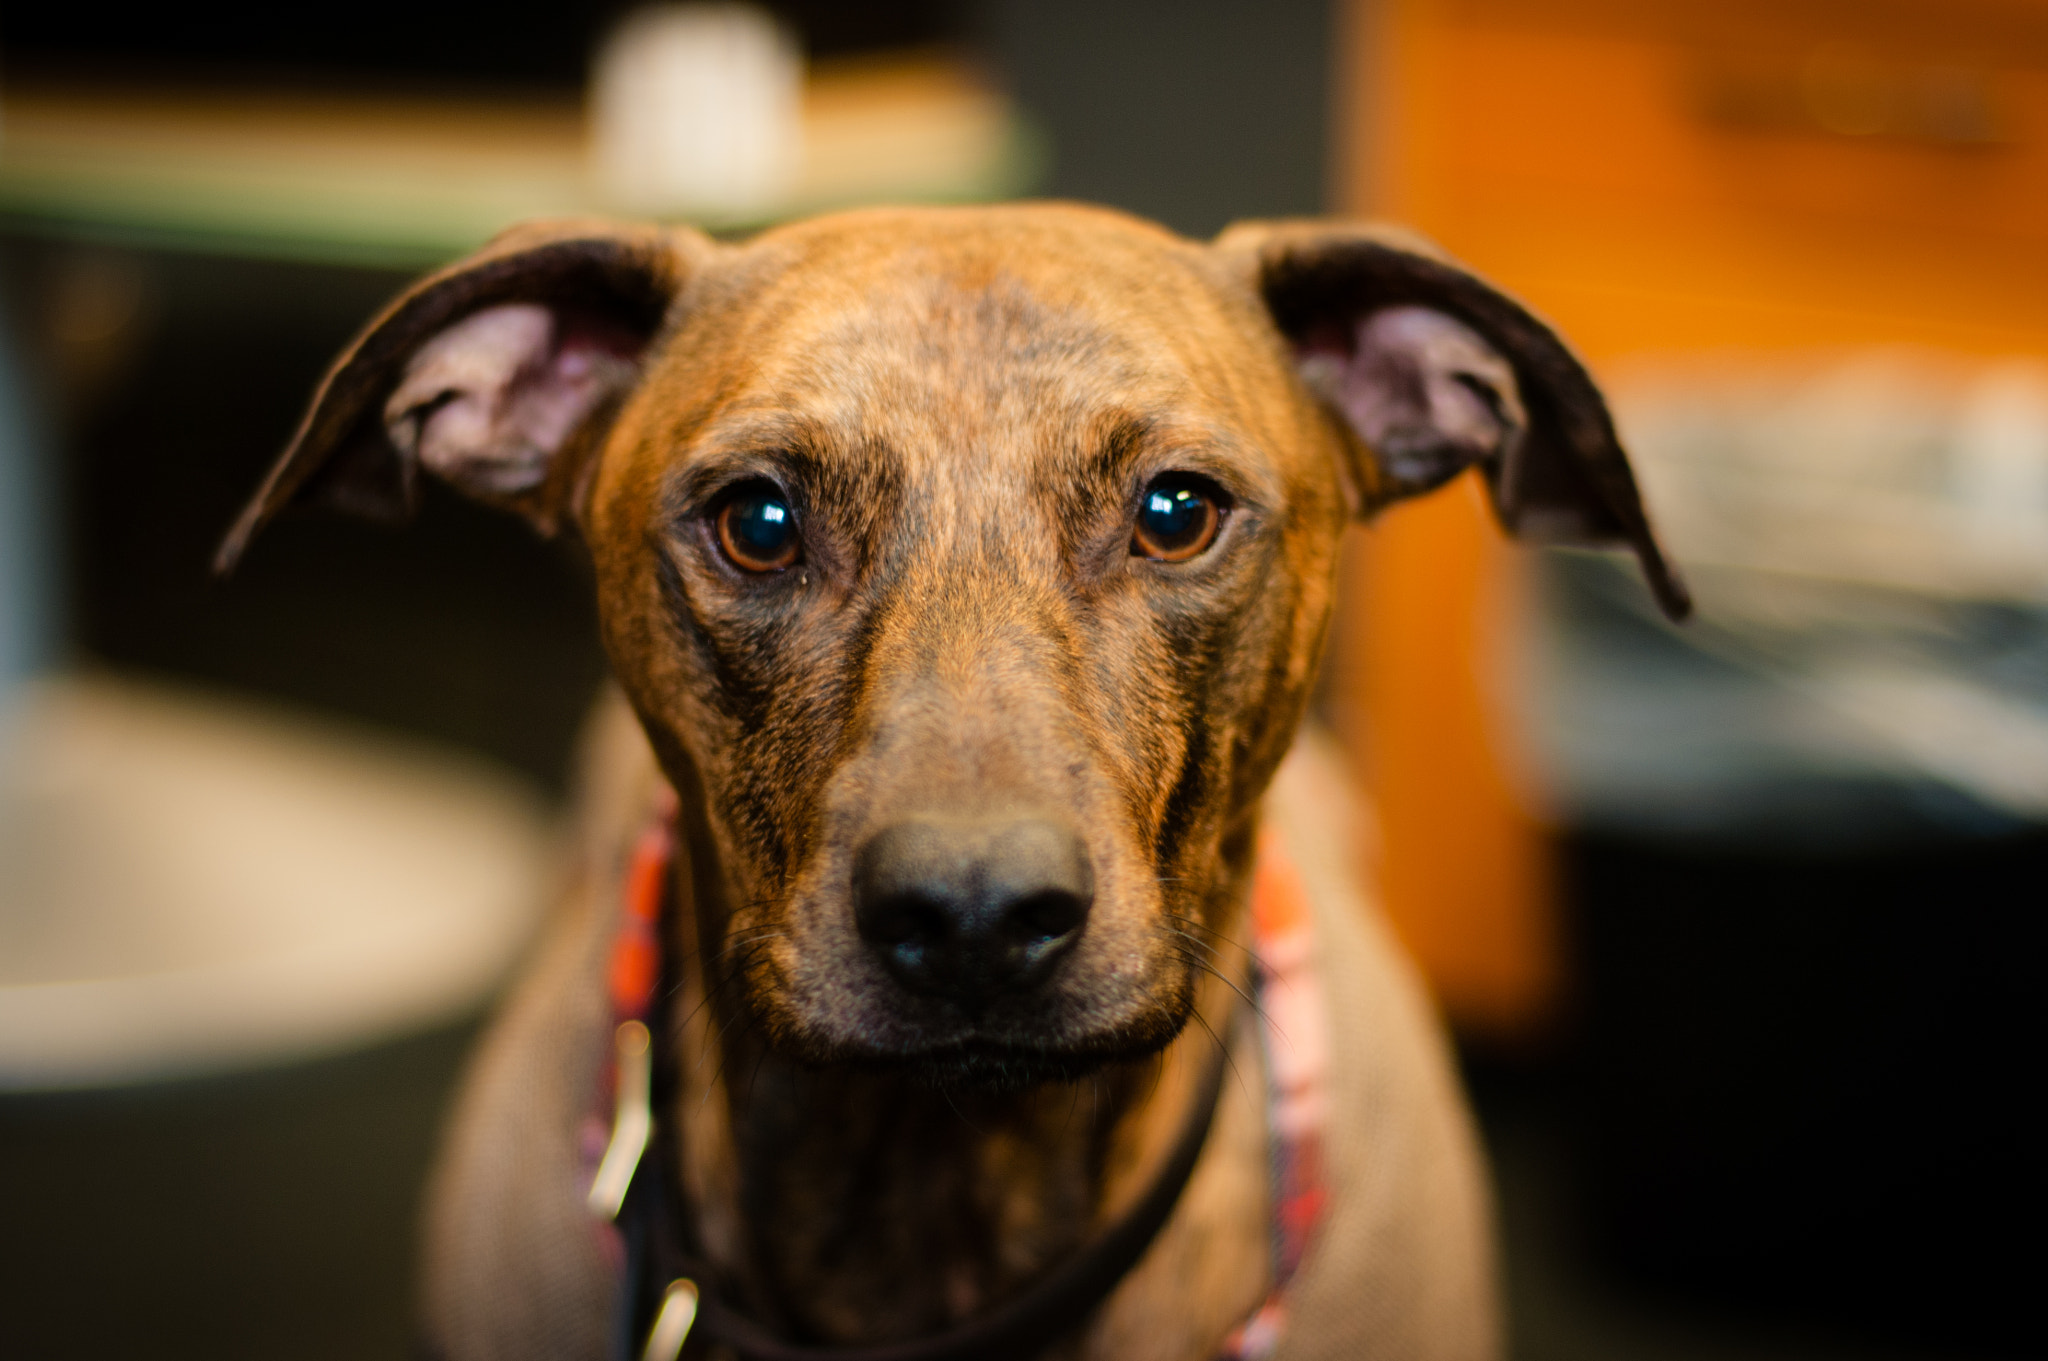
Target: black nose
point(970, 911)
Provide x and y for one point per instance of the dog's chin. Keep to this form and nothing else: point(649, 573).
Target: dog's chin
point(999, 1067)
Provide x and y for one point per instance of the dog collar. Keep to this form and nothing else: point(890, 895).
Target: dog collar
point(1294, 1036)
point(665, 1295)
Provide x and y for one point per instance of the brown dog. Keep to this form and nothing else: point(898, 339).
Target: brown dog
point(966, 571)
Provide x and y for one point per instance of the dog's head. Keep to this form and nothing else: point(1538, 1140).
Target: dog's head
point(967, 567)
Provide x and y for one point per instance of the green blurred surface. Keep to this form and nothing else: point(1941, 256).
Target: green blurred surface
point(337, 200)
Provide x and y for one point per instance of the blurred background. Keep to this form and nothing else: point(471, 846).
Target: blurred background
point(1733, 922)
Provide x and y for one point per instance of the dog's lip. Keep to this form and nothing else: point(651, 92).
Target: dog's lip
point(978, 1048)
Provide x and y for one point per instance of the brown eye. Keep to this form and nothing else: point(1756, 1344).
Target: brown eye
point(757, 529)
point(1178, 518)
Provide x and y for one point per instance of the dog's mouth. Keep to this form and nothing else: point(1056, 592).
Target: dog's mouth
point(978, 1062)
point(1029, 1041)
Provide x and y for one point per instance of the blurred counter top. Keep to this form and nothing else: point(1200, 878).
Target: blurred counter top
point(409, 182)
point(190, 885)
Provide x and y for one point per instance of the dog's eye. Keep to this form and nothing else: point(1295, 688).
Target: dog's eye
point(1178, 518)
point(757, 529)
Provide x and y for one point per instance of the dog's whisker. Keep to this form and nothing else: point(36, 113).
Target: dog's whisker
point(760, 1057)
point(1229, 1060)
point(717, 986)
point(763, 933)
point(962, 1115)
point(1197, 924)
point(1073, 1104)
point(1197, 942)
point(724, 1051)
point(1249, 1000)
point(714, 1041)
point(1209, 930)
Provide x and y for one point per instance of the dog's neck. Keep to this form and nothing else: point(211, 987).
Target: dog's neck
point(863, 1206)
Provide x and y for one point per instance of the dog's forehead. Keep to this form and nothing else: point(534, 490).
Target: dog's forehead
point(1004, 327)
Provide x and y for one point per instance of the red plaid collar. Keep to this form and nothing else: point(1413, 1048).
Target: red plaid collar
point(1294, 1036)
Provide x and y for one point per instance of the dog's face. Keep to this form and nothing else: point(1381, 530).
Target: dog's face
point(967, 567)
point(984, 560)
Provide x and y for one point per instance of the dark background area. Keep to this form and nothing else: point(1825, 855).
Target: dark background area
point(1784, 1119)
point(377, 43)
point(1794, 1080)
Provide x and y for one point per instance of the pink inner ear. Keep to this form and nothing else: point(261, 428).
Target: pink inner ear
point(489, 402)
point(1424, 392)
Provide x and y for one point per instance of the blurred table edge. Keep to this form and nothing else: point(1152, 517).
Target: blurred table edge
point(404, 183)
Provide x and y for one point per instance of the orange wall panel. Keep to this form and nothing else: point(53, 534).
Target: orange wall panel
point(1581, 171)
point(1462, 861)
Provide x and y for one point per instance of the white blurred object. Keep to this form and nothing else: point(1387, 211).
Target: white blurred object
point(2000, 455)
point(1867, 536)
point(1951, 727)
point(189, 887)
point(1892, 468)
point(698, 109)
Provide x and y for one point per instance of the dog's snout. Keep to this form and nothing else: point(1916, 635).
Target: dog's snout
point(971, 911)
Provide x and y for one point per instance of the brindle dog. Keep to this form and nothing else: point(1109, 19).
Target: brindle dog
point(966, 570)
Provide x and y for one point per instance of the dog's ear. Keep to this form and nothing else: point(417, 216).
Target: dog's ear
point(492, 374)
point(1433, 371)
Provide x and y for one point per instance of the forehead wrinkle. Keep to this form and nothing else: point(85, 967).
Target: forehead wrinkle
point(1133, 281)
point(959, 388)
point(978, 385)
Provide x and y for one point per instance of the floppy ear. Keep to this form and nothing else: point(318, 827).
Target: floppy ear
point(493, 374)
point(1433, 371)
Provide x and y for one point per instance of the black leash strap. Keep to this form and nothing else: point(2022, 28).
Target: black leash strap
point(1017, 1330)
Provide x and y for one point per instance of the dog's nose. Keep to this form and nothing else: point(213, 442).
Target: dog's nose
point(970, 911)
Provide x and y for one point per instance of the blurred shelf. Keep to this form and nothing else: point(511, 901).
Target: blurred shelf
point(407, 183)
